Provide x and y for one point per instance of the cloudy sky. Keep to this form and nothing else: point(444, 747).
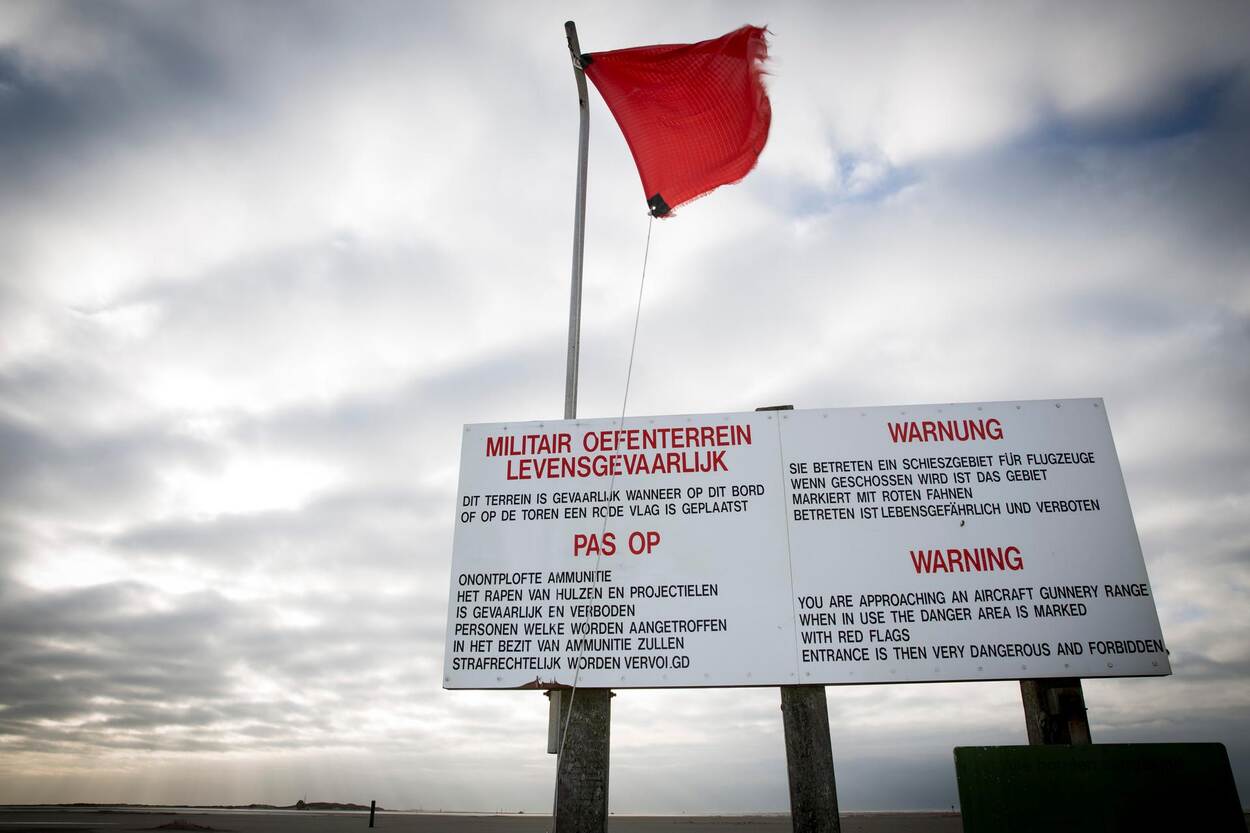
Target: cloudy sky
point(260, 262)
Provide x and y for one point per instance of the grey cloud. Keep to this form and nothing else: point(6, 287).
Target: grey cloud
point(339, 524)
point(407, 431)
point(88, 472)
point(53, 391)
point(55, 111)
point(1189, 106)
point(117, 677)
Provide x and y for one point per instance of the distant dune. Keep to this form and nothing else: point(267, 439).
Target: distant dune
point(324, 805)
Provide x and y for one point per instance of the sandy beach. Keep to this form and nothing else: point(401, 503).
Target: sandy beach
point(101, 820)
point(124, 820)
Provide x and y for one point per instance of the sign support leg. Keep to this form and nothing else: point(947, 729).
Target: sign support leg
point(1054, 711)
point(809, 760)
point(809, 750)
point(582, 768)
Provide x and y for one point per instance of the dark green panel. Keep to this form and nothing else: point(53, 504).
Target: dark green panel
point(1103, 787)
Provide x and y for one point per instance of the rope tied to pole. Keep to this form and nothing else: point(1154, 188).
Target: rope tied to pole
point(629, 373)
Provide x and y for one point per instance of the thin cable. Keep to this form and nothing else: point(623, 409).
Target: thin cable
point(629, 373)
point(633, 344)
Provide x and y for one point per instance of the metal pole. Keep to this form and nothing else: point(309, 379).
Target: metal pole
point(581, 800)
point(575, 291)
point(373, 808)
point(579, 226)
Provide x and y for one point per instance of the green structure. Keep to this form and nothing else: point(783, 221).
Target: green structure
point(1102, 787)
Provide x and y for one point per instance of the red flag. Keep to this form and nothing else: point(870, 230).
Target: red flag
point(695, 115)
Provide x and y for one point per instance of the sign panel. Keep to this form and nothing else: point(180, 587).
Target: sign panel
point(649, 554)
point(965, 542)
point(953, 542)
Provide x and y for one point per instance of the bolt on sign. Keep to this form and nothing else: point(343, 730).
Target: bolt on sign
point(981, 541)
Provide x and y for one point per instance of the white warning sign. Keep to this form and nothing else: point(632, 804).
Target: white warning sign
point(938, 542)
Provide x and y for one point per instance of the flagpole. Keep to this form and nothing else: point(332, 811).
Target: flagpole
point(579, 226)
point(575, 292)
point(579, 724)
point(575, 295)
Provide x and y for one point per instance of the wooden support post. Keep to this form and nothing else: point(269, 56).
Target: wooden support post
point(373, 808)
point(582, 768)
point(1054, 711)
point(553, 721)
point(809, 750)
point(809, 759)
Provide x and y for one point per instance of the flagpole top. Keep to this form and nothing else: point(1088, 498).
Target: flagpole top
point(575, 50)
